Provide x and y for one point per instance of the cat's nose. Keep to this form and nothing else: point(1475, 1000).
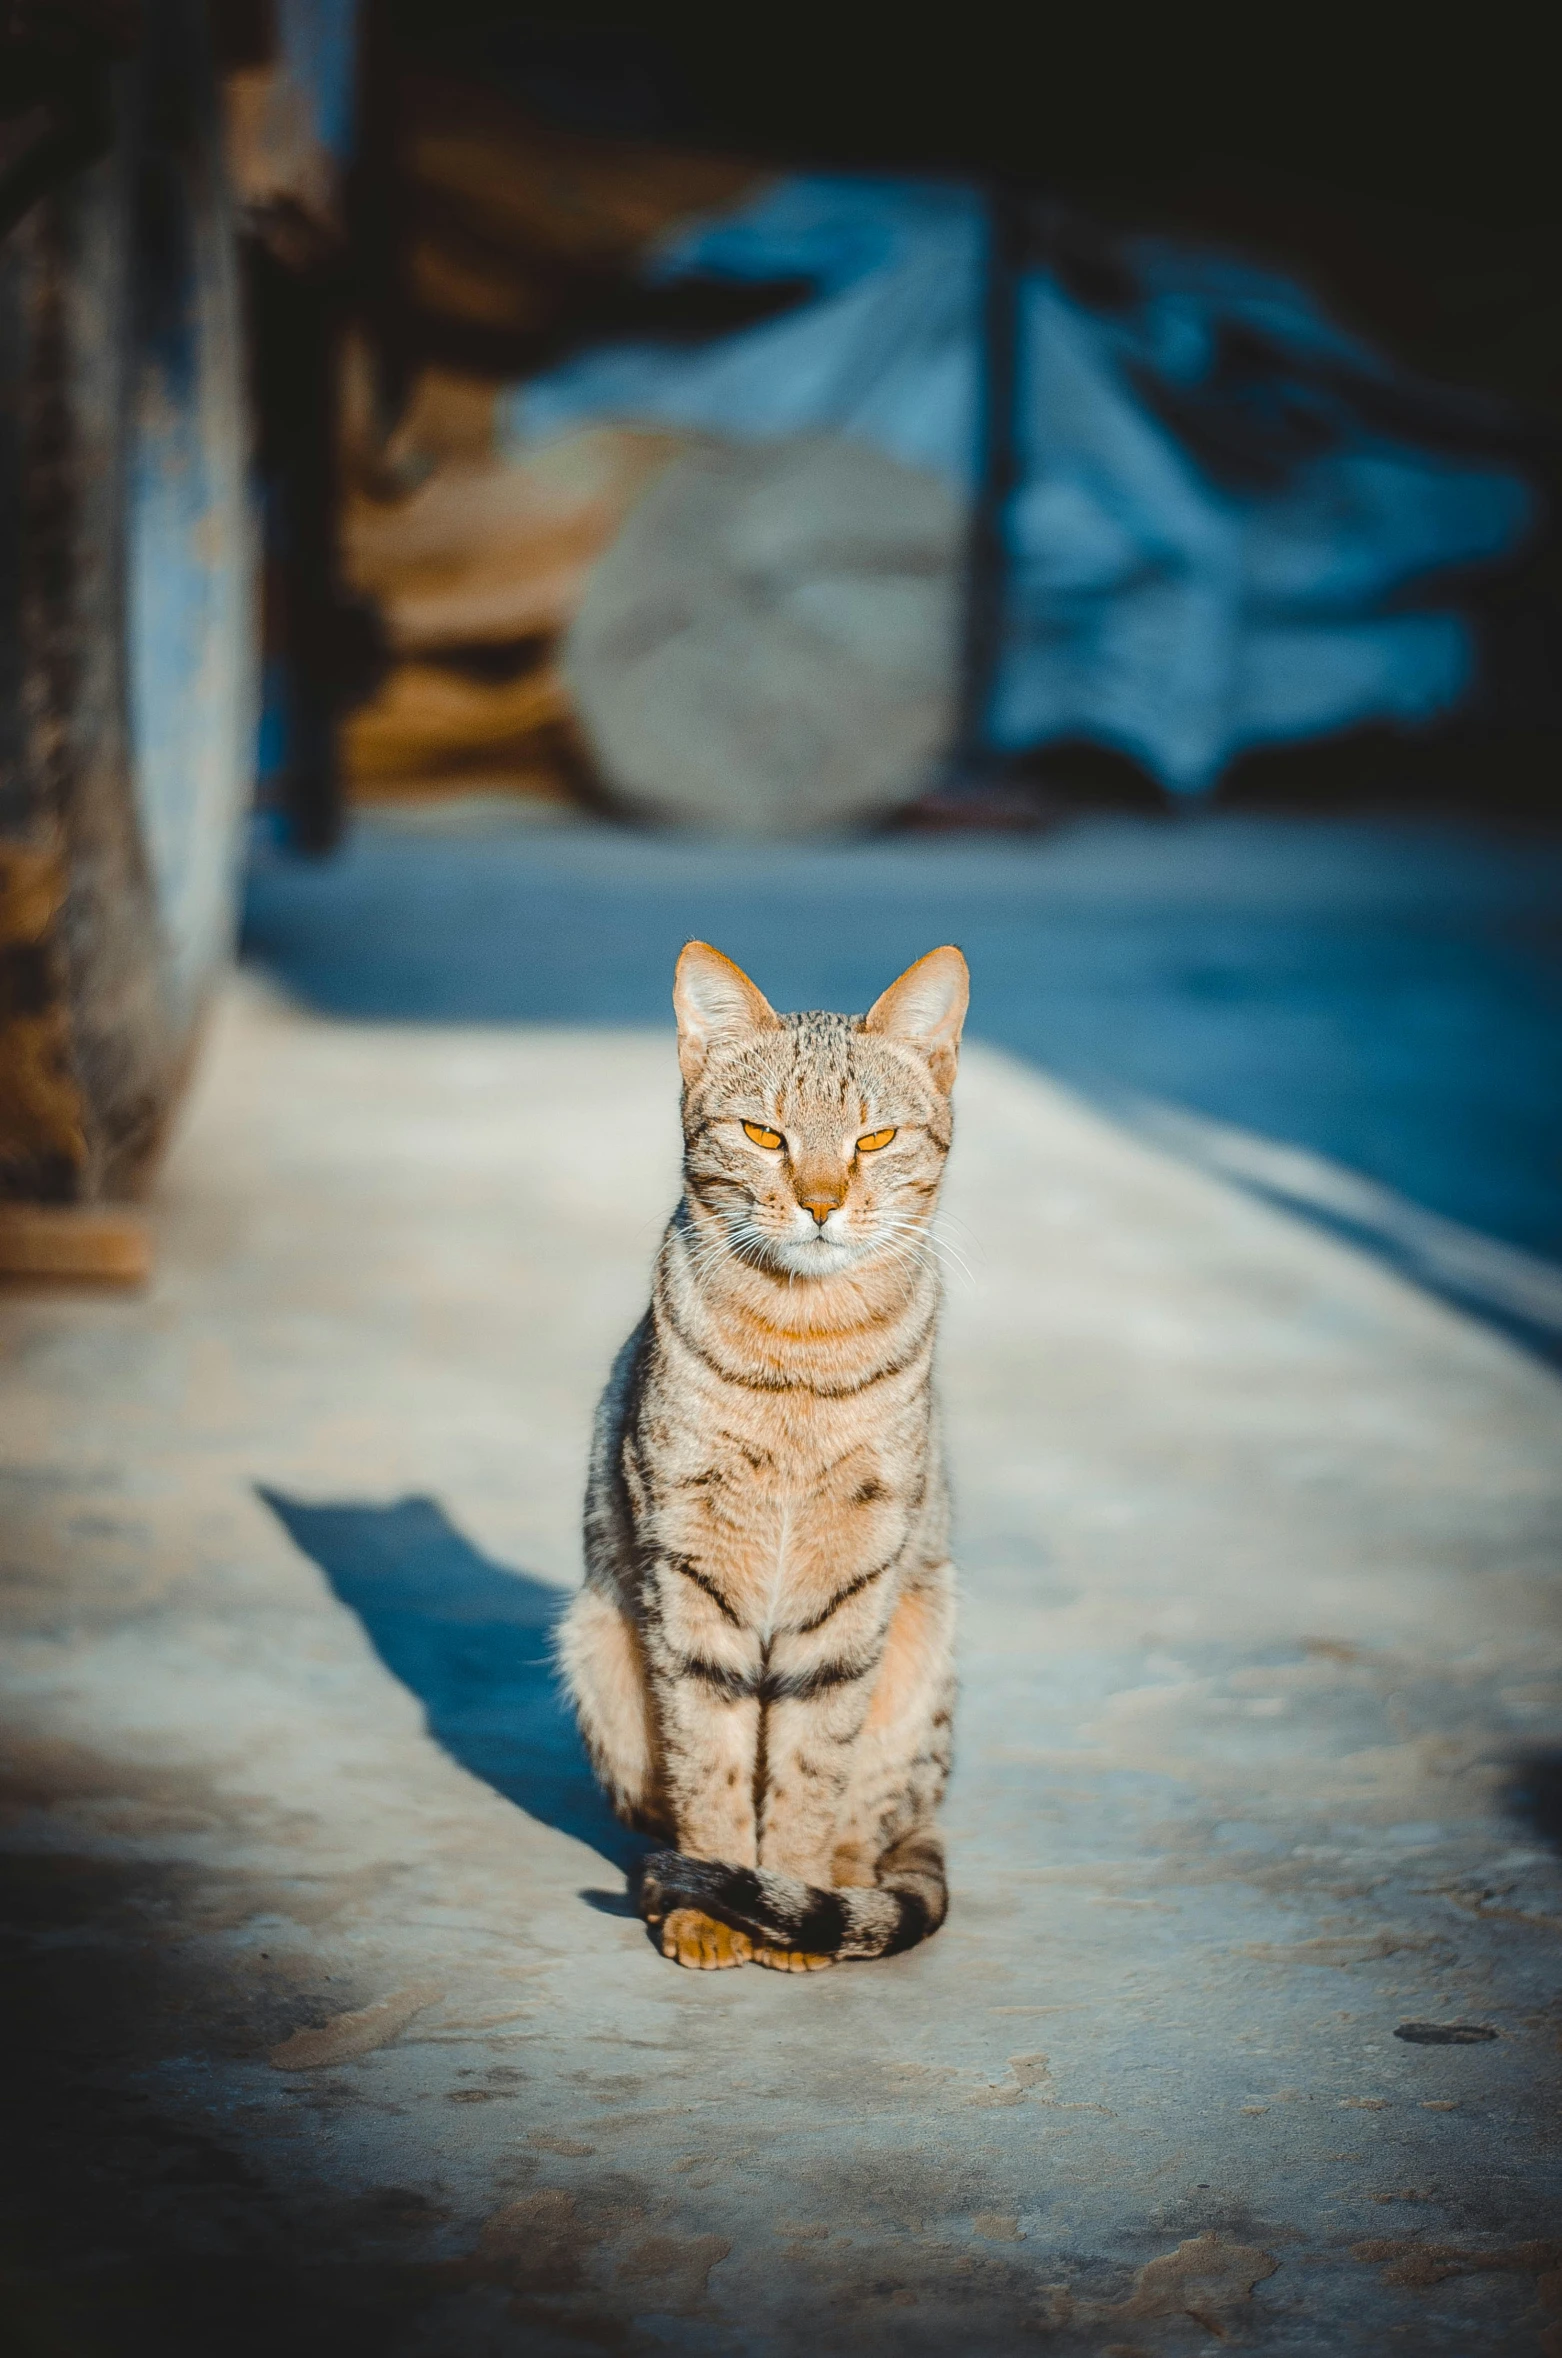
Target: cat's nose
point(821, 1205)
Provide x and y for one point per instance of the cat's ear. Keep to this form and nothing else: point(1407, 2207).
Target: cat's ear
point(926, 1009)
point(714, 1002)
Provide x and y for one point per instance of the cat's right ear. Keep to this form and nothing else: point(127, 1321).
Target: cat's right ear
point(714, 1002)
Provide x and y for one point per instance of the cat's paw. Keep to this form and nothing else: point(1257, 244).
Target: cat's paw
point(791, 1960)
point(690, 1937)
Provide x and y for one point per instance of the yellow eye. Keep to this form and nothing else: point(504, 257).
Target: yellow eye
point(760, 1135)
point(874, 1140)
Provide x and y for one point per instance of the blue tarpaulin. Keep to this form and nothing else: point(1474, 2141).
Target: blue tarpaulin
point(317, 46)
point(1224, 534)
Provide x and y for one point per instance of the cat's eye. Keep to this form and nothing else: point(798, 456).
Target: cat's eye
point(874, 1140)
point(760, 1135)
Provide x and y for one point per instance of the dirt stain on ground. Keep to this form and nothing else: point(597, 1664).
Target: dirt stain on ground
point(357, 2032)
point(1417, 2266)
point(674, 2269)
point(1026, 2074)
point(1205, 2279)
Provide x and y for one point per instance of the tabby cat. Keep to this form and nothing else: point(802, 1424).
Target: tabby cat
point(760, 1657)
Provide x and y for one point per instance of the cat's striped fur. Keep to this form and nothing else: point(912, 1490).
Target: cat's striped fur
point(761, 1655)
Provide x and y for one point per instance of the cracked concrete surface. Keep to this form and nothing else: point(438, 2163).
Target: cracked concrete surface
point(329, 2026)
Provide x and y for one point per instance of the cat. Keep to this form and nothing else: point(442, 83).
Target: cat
point(761, 1656)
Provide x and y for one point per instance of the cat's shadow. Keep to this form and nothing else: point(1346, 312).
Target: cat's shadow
point(474, 1642)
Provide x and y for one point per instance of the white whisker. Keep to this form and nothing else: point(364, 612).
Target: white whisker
point(933, 1251)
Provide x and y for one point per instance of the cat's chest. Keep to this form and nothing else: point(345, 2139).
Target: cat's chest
point(776, 1517)
point(796, 1452)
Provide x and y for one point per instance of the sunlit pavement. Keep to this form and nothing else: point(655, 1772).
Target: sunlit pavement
point(331, 2028)
point(1362, 1018)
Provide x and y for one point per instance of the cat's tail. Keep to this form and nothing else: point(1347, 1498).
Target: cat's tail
point(909, 1901)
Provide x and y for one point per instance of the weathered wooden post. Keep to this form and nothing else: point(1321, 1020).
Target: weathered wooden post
point(127, 641)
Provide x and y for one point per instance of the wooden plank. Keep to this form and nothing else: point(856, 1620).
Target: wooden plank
point(102, 1244)
point(427, 716)
point(43, 1142)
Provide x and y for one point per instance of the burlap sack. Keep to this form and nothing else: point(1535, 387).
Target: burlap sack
point(769, 646)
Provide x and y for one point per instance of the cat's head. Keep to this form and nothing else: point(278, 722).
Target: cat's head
point(814, 1142)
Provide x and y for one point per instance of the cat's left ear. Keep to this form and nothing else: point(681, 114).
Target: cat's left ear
point(714, 1001)
point(926, 1009)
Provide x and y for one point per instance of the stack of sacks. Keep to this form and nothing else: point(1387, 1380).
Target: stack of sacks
point(518, 229)
point(476, 564)
point(519, 239)
point(769, 646)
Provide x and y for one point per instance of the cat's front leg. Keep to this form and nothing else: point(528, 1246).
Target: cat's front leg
point(705, 1677)
point(709, 1742)
point(808, 1745)
point(705, 1682)
point(820, 1680)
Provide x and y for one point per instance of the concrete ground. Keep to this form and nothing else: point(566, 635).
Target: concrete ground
point(329, 2027)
